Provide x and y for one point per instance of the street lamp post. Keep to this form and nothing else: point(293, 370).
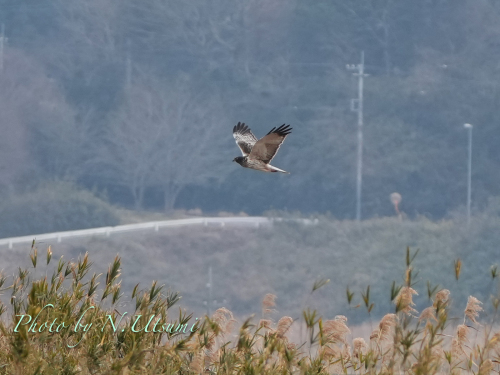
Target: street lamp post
point(357, 106)
point(469, 172)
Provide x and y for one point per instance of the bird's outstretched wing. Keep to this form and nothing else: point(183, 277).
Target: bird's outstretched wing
point(268, 146)
point(244, 138)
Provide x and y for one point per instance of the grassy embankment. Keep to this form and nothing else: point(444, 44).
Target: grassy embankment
point(287, 259)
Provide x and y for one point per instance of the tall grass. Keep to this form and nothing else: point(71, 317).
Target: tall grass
point(71, 321)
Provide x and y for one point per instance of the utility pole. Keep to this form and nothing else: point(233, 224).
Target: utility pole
point(2, 42)
point(209, 287)
point(357, 106)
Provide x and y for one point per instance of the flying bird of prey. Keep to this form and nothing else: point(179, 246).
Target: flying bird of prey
point(257, 154)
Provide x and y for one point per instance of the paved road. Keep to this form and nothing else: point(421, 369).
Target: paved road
point(255, 221)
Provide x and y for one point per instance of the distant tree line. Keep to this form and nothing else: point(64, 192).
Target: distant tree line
point(139, 100)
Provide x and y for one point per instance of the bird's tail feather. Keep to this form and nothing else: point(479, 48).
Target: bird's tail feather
point(274, 169)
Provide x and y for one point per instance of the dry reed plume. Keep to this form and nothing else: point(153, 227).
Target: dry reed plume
point(268, 303)
point(473, 309)
point(404, 300)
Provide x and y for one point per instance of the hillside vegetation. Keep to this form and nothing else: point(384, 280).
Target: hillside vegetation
point(139, 99)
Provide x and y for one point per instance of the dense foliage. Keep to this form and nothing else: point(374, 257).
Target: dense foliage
point(140, 99)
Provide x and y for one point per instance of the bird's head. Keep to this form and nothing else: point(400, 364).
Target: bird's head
point(239, 159)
